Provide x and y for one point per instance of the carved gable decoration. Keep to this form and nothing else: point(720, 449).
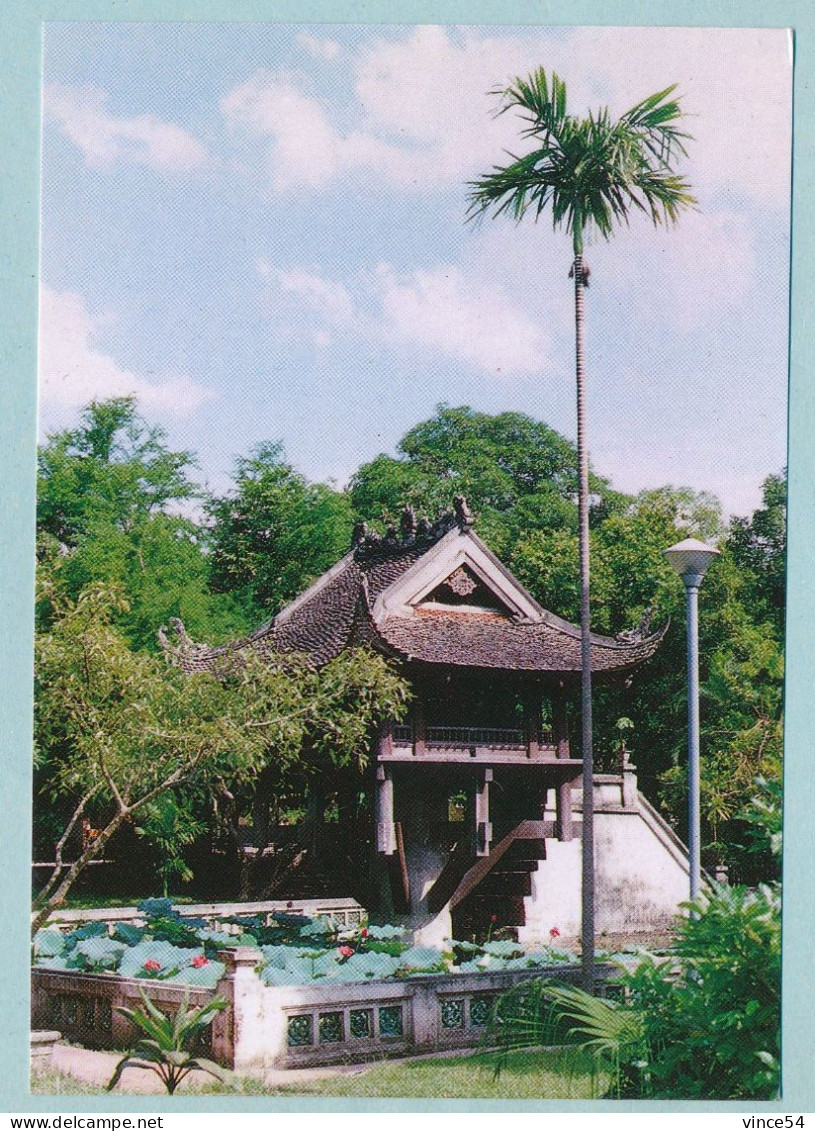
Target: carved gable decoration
point(463, 587)
point(457, 572)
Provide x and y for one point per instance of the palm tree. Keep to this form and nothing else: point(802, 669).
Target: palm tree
point(592, 172)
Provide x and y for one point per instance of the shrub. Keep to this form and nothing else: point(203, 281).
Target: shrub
point(703, 1023)
point(165, 1046)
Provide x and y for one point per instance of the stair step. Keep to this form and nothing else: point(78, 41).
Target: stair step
point(527, 850)
point(509, 884)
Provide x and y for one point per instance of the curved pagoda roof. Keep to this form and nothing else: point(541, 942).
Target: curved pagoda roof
point(432, 594)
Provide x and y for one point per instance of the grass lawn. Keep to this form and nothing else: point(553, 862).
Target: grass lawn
point(527, 1076)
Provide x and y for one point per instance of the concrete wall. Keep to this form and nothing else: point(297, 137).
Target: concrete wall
point(319, 1023)
point(84, 1007)
point(641, 868)
point(292, 1026)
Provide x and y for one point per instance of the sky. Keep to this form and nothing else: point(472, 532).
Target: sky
point(259, 230)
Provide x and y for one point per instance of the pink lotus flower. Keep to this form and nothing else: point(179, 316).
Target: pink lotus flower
point(199, 961)
point(493, 918)
point(554, 933)
point(345, 951)
point(152, 965)
point(363, 934)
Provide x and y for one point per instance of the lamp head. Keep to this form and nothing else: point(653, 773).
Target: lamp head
point(691, 559)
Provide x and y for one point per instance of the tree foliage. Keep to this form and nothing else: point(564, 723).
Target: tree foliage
point(517, 473)
point(110, 495)
point(592, 172)
point(276, 532)
point(123, 730)
point(703, 1024)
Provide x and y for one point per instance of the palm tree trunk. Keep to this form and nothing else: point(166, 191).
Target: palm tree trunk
point(587, 841)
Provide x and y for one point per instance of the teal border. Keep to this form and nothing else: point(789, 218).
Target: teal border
point(19, 145)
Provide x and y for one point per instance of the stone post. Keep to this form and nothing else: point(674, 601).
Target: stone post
point(245, 1035)
point(425, 1008)
point(385, 826)
point(629, 786)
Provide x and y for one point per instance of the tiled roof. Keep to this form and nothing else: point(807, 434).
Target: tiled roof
point(335, 613)
point(487, 640)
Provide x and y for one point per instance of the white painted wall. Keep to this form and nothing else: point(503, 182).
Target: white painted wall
point(641, 869)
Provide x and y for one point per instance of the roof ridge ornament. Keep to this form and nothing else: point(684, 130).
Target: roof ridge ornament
point(185, 647)
point(464, 516)
point(635, 635)
point(412, 533)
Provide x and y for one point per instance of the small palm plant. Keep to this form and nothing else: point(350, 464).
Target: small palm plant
point(610, 1036)
point(165, 1047)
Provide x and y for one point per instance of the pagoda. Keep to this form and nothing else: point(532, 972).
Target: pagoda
point(477, 786)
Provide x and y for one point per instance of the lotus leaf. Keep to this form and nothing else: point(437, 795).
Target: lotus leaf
point(316, 927)
point(48, 943)
point(465, 947)
point(373, 965)
point(89, 931)
point(165, 953)
point(273, 976)
point(421, 958)
point(325, 965)
point(520, 963)
point(221, 938)
point(503, 948)
point(385, 931)
point(275, 955)
point(128, 933)
point(205, 976)
point(157, 909)
point(99, 949)
point(52, 962)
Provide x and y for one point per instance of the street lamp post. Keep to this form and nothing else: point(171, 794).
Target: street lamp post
point(691, 559)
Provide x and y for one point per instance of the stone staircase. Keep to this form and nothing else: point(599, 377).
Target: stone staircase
point(485, 893)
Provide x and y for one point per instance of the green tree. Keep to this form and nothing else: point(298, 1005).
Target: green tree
point(592, 172)
point(759, 547)
point(276, 532)
point(124, 729)
point(110, 493)
point(171, 824)
point(518, 475)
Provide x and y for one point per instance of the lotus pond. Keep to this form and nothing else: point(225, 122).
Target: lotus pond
point(296, 950)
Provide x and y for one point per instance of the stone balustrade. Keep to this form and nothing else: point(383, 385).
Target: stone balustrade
point(292, 1026)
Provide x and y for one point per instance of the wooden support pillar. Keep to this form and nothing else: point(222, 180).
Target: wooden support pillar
point(483, 826)
point(385, 826)
point(419, 728)
point(385, 744)
point(563, 804)
point(560, 723)
point(532, 721)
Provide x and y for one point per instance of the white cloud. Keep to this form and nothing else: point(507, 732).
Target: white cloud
point(420, 107)
point(325, 49)
point(306, 149)
point(73, 371)
point(104, 139)
point(330, 300)
point(422, 118)
point(698, 272)
point(736, 88)
point(471, 321)
point(440, 309)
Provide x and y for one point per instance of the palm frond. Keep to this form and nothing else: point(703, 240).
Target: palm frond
point(593, 172)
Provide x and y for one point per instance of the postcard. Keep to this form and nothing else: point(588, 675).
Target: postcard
point(411, 565)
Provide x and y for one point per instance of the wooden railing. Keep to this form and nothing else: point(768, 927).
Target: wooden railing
point(470, 736)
